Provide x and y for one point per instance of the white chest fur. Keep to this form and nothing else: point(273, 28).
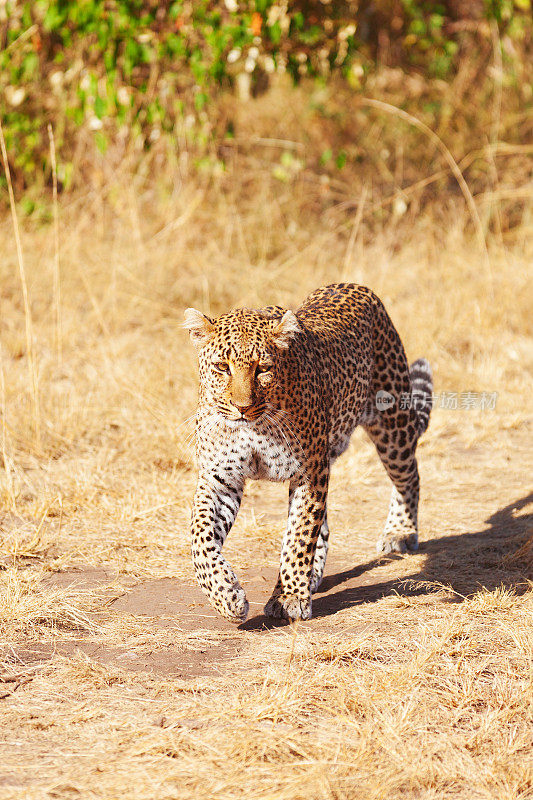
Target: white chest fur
point(263, 450)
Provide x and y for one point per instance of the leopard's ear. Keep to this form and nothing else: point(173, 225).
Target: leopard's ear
point(200, 327)
point(285, 329)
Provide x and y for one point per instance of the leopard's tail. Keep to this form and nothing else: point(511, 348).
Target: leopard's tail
point(421, 391)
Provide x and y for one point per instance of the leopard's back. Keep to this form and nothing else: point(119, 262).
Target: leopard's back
point(340, 322)
point(362, 361)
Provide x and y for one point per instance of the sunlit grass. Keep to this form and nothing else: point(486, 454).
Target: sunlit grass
point(420, 694)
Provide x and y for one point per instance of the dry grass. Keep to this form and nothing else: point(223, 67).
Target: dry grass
point(424, 691)
point(28, 607)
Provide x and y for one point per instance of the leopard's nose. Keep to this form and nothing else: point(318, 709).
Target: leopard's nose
point(243, 409)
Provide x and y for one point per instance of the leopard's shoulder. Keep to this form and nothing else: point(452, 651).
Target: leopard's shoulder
point(271, 312)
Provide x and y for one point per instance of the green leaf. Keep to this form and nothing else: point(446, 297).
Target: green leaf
point(340, 160)
point(274, 32)
point(99, 106)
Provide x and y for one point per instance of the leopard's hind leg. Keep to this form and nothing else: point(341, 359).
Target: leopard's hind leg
point(395, 426)
point(395, 431)
point(396, 446)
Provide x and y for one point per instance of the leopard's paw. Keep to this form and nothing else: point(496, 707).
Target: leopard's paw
point(397, 543)
point(288, 606)
point(233, 604)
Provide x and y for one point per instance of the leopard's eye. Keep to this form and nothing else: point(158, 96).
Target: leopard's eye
point(222, 366)
point(261, 369)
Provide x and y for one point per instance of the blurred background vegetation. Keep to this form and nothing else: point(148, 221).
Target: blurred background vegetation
point(187, 88)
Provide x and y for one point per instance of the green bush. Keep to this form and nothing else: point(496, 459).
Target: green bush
point(140, 65)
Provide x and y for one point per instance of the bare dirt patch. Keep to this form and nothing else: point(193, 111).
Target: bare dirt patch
point(179, 608)
point(165, 662)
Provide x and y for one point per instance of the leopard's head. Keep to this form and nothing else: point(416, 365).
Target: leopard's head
point(240, 356)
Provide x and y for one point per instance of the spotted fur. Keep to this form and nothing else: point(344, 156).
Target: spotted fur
point(280, 395)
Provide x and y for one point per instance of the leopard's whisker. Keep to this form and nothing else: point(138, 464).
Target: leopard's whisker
point(272, 422)
point(282, 418)
point(187, 421)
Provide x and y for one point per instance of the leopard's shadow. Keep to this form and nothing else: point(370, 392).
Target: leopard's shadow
point(465, 562)
point(262, 622)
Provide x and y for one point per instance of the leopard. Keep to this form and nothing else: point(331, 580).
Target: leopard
point(280, 394)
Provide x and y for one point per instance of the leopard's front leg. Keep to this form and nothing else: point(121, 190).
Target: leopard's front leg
point(291, 598)
point(215, 507)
